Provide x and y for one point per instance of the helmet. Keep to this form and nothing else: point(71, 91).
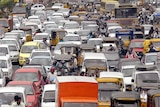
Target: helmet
point(52, 69)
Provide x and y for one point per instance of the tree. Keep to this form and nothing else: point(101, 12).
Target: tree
point(6, 7)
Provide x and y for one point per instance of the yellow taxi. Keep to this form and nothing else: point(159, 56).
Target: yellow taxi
point(26, 50)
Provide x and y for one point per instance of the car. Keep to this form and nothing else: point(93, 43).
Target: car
point(147, 28)
point(41, 14)
point(32, 92)
point(137, 46)
point(65, 11)
point(2, 79)
point(4, 48)
point(16, 23)
point(14, 52)
point(71, 26)
point(6, 66)
point(112, 30)
point(58, 5)
point(49, 27)
point(29, 74)
point(7, 95)
point(37, 7)
point(39, 37)
point(150, 58)
point(38, 21)
point(72, 37)
point(10, 41)
point(41, 68)
point(40, 52)
point(26, 51)
point(56, 18)
point(145, 77)
point(48, 95)
point(127, 73)
point(33, 25)
point(46, 61)
point(22, 34)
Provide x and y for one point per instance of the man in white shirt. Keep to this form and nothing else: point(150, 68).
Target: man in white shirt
point(18, 103)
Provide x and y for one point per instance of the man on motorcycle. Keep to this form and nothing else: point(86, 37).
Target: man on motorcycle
point(52, 75)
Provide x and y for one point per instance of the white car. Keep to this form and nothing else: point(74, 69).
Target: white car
point(71, 26)
point(4, 48)
point(112, 30)
point(72, 37)
point(37, 21)
point(38, 7)
point(2, 79)
point(48, 95)
point(16, 23)
point(39, 37)
point(40, 52)
point(33, 17)
point(22, 34)
point(34, 26)
point(127, 73)
point(65, 11)
point(6, 65)
point(10, 41)
point(14, 53)
point(150, 58)
point(57, 6)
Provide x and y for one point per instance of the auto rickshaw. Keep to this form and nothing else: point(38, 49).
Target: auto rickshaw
point(126, 35)
point(28, 33)
point(84, 48)
point(6, 23)
point(71, 49)
point(153, 98)
point(61, 33)
point(54, 38)
point(63, 60)
point(126, 99)
point(138, 35)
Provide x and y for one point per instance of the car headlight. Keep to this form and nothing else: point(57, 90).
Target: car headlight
point(20, 58)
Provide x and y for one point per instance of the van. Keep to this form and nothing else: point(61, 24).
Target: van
point(26, 51)
point(7, 95)
point(48, 96)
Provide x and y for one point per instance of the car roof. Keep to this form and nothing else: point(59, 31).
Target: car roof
point(20, 82)
point(49, 87)
point(44, 33)
point(36, 57)
point(92, 56)
point(27, 70)
point(4, 45)
point(4, 57)
point(30, 43)
point(12, 89)
point(63, 79)
point(111, 74)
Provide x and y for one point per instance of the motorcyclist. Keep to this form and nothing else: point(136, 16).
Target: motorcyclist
point(52, 75)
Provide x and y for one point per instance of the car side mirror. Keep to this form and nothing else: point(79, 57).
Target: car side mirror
point(132, 80)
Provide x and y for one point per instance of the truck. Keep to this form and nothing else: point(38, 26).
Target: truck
point(76, 91)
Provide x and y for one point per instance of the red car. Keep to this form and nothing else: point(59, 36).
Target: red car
point(29, 74)
point(33, 94)
point(137, 46)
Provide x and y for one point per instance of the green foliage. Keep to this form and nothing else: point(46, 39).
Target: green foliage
point(6, 4)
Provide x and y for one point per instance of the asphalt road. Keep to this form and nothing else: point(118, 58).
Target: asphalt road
point(15, 67)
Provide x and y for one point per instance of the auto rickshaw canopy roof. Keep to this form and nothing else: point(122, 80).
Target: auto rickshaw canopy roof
point(63, 57)
point(125, 95)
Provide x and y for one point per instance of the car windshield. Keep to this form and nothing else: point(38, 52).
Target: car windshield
point(8, 97)
point(28, 88)
point(94, 42)
point(3, 64)
point(41, 61)
point(3, 50)
point(35, 21)
point(94, 62)
point(131, 62)
point(112, 56)
point(49, 96)
point(127, 103)
point(40, 54)
point(80, 104)
point(71, 26)
point(147, 27)
point(8, 42)
point(28, 49)
point(40, 37)
point(12, 48)
point(151, 59)
point(51, 26)
point(147, 78)
point(127, 72)
point(71, 38)
point(26, 76)
point(136, 44)
point(156, 44)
